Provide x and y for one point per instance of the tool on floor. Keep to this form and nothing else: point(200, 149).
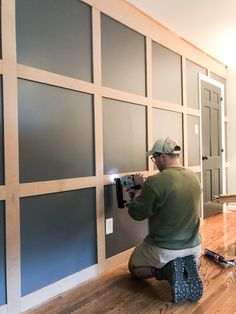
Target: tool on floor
point(218, 258)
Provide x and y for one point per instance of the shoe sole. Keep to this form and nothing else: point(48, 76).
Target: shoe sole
point(193, 279)
point(179, 287)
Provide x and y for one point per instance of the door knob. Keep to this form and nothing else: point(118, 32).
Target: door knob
point(204, 157)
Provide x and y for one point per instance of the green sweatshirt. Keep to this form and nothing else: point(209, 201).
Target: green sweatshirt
point(171, 202)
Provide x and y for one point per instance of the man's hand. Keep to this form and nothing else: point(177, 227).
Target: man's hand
point(139, 179)
point(133, 192)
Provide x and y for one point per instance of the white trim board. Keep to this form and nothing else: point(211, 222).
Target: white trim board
point(3, 309)
point(231, 207)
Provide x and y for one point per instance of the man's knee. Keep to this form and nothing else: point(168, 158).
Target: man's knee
point(131, 266)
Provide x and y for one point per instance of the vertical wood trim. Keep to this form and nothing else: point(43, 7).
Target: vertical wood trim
point(11, 157)
point(149, 66)
point(185, 116)
point(149, 96)
point(0, 66)
point(96, 27)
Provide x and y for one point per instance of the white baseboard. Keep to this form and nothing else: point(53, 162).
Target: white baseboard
point(42, 295)
point(3, 309)
point(231, 207)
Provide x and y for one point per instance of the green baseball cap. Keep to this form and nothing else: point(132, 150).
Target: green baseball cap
point(166, 146)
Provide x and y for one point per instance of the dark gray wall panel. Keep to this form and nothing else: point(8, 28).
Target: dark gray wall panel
point(166, 74)
point(168, 123)
point(0, 31)
point(126, 231)
point(55, 35)
point(2, 255)
point(207, 186)
point(216, 143)
point(192, 77)
point(1, 135)
point(56, 133)
point(58, 236)
point(123, 57)
point(206, 143)
point(224, 82)
point(216, 182)
point(124, 131)
point(193, 140)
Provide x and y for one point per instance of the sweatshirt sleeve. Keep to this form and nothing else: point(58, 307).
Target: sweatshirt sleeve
point(144, 205)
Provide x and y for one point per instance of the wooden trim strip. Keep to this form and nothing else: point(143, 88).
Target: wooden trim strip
point(185, 117)
point(149, 67)
point(149, 96)
point(11, 157)
point(131, 16)
point(193, 112)
point(55, 186)
point(37, 75)
point(118, 259)
point(1, 66)
point(96, 25)
point(123, 96)
point(110, 179)
point(167, 106)
point(2, 192)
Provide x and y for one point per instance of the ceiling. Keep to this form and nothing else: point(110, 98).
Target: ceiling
point(208, 24)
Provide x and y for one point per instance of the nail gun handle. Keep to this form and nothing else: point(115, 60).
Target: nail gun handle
point(216, 257)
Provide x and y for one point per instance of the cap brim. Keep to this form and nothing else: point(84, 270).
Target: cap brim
point(150, 152)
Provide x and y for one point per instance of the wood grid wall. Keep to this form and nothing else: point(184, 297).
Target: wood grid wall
point(13, 190)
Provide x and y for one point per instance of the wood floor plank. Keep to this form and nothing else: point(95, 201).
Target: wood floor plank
point(116, 292)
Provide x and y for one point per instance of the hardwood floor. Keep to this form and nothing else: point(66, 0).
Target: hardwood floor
point(116, 292)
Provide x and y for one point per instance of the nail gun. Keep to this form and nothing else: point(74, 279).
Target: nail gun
point(218, 258)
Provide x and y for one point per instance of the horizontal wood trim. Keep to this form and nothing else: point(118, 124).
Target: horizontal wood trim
point(167, 105)
point(110, 179)
point(45, 77)
point(133, 17)
point(118, 259)
point(195, 169)
point(55, 186)
point(193, 112)
point(123, 96)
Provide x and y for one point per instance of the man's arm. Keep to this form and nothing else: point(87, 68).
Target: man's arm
point(144, 203)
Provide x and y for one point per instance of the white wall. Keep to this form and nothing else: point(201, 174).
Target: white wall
point(231, 130)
